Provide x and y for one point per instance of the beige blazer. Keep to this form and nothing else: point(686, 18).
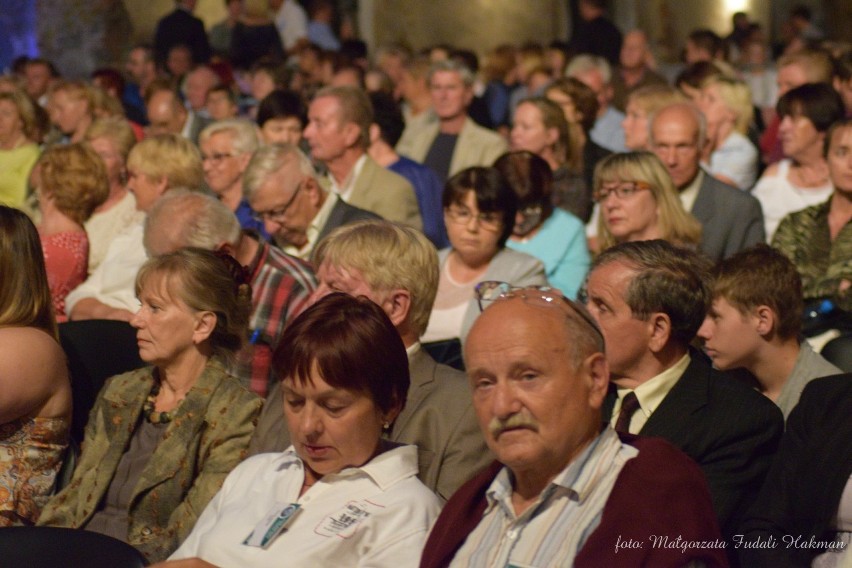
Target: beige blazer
point(476, 146)
point(386, 194)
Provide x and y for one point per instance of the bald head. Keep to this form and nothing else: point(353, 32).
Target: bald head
point(634, 50)
point(537, 403)
point(677, 135)
point(198, 83)
point(165, 113)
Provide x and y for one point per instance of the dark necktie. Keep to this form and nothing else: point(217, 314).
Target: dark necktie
point(629, 405)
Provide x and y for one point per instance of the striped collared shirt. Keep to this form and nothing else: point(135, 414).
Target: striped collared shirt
point(553, 529)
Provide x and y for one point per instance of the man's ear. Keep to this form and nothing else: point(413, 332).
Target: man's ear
point(598, 372)
point(397, 305)
point(660, 331)
point(314, 191)
point(161, 186)
point(204, 326)
point(351, 133)
point(375, 133)
point(765, 318)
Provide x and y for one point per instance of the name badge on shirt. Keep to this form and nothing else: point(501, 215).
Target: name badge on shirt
point(272, 525)
point(344, 522)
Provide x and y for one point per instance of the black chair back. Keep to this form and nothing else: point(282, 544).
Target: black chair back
point(838, 352)
point(96, 351)
point(54, 547)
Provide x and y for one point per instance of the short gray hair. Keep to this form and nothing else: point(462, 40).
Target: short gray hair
point(271, 158)
point(191, 219)
point(243, 134)
point(585, 62)
point(454, 66)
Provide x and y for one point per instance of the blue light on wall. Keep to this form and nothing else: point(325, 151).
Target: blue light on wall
point(18, 34)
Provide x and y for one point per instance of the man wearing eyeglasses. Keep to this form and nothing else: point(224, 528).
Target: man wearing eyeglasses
point(281, 285)
point(731, 219)
point(565, 491)
point(284, 191)
point(650, 298)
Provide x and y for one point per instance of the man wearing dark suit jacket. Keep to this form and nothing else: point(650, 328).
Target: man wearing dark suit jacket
point(283, 188)
point(731, 219)
point(397, 267)
point(650, 298)
point(181, 27)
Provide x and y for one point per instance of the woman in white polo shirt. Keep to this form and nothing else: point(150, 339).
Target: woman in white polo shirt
point(341, 494)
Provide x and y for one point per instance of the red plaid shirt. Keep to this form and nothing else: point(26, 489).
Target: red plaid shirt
point(281, 286)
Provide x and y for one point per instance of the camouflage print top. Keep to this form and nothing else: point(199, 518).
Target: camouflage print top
point(822, 263)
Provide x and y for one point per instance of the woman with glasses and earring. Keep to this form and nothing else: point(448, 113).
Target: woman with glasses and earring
point(552, 235)
point(479, 212)
point(639, 202)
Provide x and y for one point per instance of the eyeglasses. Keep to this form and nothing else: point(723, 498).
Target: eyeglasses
point(490, 220)
point(531, 211)
point(277, 215)
point(490, 291)
point(624, 190)
point(217, 157)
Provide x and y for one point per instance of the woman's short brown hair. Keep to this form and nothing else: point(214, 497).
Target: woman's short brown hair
point(75, 177)
point(353, 345)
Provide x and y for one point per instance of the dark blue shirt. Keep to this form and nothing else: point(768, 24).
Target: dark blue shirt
point(428, 189)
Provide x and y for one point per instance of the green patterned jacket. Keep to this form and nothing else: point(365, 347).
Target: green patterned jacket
point(822, 263)
point(206, 439)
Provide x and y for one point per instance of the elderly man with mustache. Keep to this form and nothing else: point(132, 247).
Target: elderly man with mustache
point(567, 490)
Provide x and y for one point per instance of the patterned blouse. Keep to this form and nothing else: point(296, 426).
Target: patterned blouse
point(31, 452)
point(822, 263)
point(66, 258)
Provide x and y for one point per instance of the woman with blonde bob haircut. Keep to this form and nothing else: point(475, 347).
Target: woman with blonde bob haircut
point(35, 409)
point(164, 161)
point(729, 155)
point(639, 202)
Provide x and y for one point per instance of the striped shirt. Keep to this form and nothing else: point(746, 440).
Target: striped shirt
point(555, 527)
point(281, 287)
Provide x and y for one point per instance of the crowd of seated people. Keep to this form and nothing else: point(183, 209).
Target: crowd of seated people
point(395, 311)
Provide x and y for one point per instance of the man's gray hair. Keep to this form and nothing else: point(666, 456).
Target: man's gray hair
point(243, 134)
point(456, 67)
point(191, 219)
point(269, 159)
point(584, 63)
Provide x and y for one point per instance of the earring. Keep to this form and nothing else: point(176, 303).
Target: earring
point(386, 426)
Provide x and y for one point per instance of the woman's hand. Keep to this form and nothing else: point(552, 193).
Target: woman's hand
point(185, 563)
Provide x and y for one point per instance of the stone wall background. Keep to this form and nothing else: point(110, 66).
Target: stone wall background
point(81, 35)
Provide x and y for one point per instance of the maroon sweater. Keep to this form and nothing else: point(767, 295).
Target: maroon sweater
point(659, 493)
